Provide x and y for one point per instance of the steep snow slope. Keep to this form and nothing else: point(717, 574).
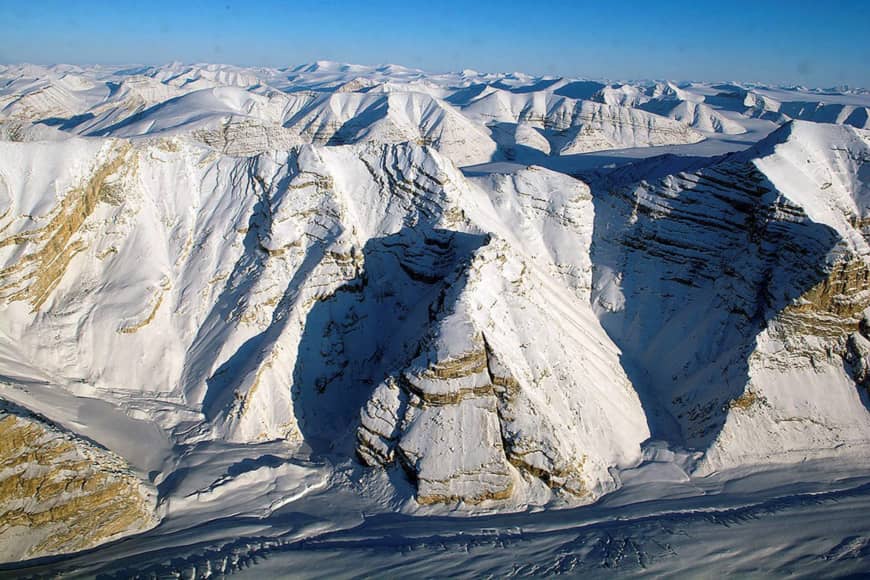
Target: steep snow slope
point(808, 372)
point(265, 297)
point(230, 119)
point(573, 126)
point(736, 293)
point(394, 117)
point(784, 104)
point(191, 110)
point(697, 115)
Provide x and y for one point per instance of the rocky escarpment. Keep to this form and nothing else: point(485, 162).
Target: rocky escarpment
point(52, 246)
point(388, 117)
point(729, 292)
point(441, 423)
point(267, 297)
point(830, 313)
point(806, 372)
point(697, 115)
point(60, 493)
point(480, 413)
point(247, 136)
point(563, 126)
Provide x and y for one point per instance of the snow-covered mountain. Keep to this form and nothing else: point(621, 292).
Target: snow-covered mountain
point(227, 290)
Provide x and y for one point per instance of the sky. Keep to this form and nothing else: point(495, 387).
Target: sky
point(816, 43)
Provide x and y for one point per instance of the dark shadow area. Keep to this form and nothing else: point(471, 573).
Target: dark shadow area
point(113, 88)
point(136, 70)
point(580, 90)
point(248, 464)
point(466, 95)
point(860, 118)
point(206, 346)
point(221, 386)
point(349, 131)
point(372, 327)
point(171, 482)
point(596, 166)
point(700, 281)
point(659, 107)
point(504, 135)
point(540, 85)
point(67, 123)
point(824, 113)
point(736, 101)
point(626, 170)
point(729, 88)
point(730, 100)
point(812, 111)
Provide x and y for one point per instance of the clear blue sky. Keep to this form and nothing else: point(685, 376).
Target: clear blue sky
point(820, 43)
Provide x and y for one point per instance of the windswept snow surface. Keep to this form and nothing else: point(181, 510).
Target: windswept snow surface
point(337, 321)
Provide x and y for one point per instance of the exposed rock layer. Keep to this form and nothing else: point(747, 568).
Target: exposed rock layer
point(59, 493)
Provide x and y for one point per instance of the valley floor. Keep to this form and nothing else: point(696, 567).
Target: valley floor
point(801, 521)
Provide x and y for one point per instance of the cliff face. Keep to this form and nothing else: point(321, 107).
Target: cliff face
point(558, 125)
point(737, 291)
point(494, 401)
point(268, 296)
point(59, 493)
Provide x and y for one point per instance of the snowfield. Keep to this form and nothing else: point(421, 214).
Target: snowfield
point(343, 321)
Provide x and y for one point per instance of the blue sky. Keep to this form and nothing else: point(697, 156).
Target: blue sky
point(818, 43)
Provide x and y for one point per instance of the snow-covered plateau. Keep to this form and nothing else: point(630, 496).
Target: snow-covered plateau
point(341, 321)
